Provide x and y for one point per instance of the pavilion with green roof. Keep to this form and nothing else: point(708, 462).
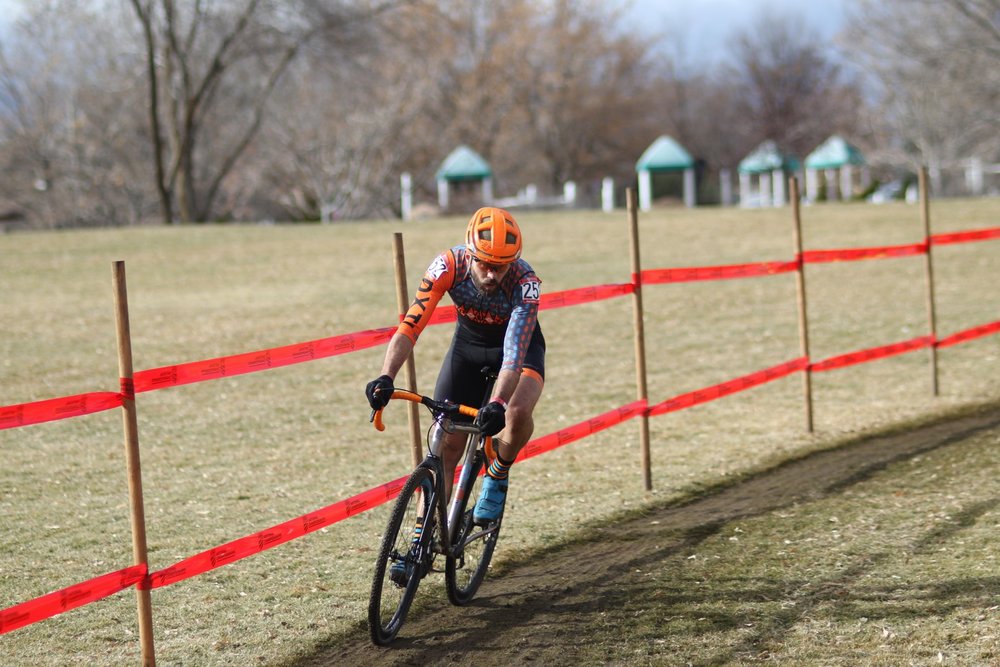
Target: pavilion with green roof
point(771, 167)
point(463, 168)
point(664, 155)
point(834, 157)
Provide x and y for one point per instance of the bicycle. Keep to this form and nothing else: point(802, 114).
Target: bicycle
point(409, 548)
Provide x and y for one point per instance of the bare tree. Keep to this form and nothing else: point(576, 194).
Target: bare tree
point(211, 70)
point(238, 109)
point(348, 127)
point(787, 89)
point(545, 92)
point(937, 68)
point(68, 133)
point(587, 92)
point(341, 147)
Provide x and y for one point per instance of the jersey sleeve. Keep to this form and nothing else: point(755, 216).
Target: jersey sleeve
point(437, 279)
point(522, 322)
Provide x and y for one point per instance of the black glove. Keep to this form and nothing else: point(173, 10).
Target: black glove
point(379, 391)
point(491, 418)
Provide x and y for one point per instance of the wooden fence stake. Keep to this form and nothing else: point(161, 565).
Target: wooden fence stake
point(642, 392)
point(925, 216)
point(403, 302)
point(132, 464)
point(800, 283)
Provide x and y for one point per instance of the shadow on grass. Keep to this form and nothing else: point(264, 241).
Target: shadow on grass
point(553, 606)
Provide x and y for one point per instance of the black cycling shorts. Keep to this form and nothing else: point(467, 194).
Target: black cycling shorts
point(461, 379)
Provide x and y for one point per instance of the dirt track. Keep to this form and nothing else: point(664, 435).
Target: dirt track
point(537, 612)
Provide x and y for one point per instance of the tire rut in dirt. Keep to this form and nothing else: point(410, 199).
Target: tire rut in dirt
point(541, 609)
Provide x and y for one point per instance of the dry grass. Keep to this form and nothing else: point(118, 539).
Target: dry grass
point(227, 458)
point(897, 568)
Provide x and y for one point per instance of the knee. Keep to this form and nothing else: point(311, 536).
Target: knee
point(453, 444)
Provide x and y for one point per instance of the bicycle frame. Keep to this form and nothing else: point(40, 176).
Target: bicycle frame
point(446, 529)
point(447, 512)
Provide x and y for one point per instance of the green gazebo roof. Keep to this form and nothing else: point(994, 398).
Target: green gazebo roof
point(664, 154)
point(834, 153)
point(766, 158)
point(463, 164)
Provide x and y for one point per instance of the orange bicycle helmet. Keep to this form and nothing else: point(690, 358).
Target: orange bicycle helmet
point(493, 236)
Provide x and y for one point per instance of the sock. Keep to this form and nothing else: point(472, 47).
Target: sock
point(418, 529)
point(499, 468)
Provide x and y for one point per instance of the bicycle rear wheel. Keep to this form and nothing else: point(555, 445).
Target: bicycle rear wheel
point(472, 545)
point(402, 563)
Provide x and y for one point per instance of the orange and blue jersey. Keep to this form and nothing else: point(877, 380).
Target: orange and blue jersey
point(506, 317)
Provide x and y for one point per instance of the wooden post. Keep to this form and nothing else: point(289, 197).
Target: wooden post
point(132, 464)
point(403, 302)
point(925, 215)
point(640, 337)
point(800, 283)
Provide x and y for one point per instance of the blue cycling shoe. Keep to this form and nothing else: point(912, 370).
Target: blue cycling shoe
point(399, 573)
point(491, 500)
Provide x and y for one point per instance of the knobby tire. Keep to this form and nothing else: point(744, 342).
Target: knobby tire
point(466, 569)
point(390, 602)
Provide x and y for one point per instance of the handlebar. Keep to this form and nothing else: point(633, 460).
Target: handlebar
point(437, 407)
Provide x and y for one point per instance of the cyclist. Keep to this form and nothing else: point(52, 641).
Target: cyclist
point(496, 294)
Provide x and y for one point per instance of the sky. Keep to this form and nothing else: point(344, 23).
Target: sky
point(708, 21)
point(8, 8)
point(708, 25)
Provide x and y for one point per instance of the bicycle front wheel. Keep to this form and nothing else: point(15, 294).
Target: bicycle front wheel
point(402, 560)
point(472, 545)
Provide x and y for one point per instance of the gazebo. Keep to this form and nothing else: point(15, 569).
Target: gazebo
point(464, 168)
point(664, 155)
point(770, 166)
point(833, 156)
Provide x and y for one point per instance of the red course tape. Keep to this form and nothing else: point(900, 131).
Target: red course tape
point(46, 606)
point(730, 387)
point(72, 597)
point(581, 430)
point(443, 315)
point(272, 537)
point(969, 334)
point(573, 297)
point(13, 416)
point(725, 272)
point(570, 297)
point(871, 354)
point(168, 376)
point(854, 254)
point(211, 369)
point(83, 593)
point(965, 237)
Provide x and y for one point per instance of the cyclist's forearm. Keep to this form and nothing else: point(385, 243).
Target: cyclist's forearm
point(396, 355)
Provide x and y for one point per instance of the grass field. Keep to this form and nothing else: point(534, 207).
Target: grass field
point(227, 458)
